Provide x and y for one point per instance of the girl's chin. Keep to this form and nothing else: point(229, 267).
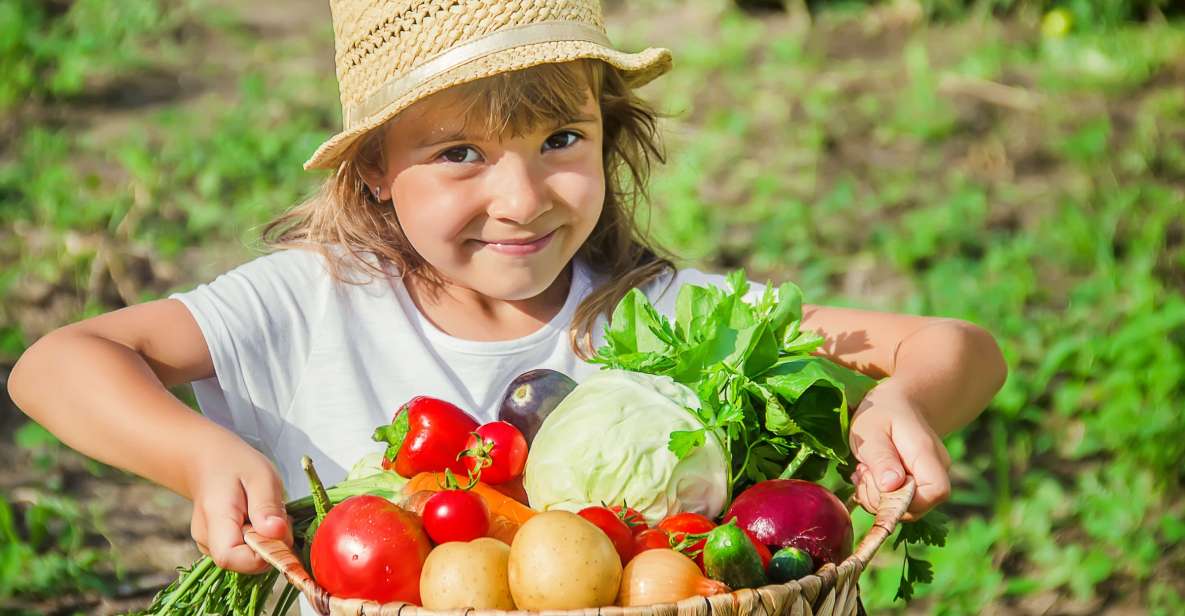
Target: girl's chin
point(510, 282)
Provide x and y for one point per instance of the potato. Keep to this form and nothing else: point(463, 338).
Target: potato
point(560, 561)
point(460, 575)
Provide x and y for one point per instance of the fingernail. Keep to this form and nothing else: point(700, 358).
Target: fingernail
point(275, 519)
point(888, 477)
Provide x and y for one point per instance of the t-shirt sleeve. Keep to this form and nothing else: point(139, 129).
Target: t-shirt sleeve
point(257, 321)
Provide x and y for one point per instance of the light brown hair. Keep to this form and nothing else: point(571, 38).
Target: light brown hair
point(344, 214)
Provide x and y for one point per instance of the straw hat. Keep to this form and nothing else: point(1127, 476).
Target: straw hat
point(394, 53)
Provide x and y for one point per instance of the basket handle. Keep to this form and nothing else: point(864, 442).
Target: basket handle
point(280, 556)
point(889, 511)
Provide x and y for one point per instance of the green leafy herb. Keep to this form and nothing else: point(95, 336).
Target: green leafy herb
point(930, 530)
point(762, 390)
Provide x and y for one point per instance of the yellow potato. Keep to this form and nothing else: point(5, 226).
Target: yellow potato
point(460, 575)
point(560, 561)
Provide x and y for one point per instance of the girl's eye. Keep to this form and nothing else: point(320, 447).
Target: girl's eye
point(561, 140)
point(459, 155)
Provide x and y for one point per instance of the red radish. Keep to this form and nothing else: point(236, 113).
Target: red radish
point(369, 548)
point(792, 512)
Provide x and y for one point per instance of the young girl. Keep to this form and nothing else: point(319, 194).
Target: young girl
point(478, 223)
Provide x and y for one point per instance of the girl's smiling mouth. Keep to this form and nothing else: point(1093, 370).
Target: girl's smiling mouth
point(520, 247)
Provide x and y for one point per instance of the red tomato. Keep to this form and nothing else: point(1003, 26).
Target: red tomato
point(682, 524)
point(369, 548)
point(762, 549)
point(614, 527)
point(632, 518)
point(501, 452)
point(456, 515)
point(652, 539)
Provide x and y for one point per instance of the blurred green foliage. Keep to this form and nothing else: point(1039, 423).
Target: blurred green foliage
point(971, 162)
point(53, 49)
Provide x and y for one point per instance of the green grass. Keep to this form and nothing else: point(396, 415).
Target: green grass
point(838, 161)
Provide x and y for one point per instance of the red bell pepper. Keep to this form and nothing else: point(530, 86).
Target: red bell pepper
point(426, 435)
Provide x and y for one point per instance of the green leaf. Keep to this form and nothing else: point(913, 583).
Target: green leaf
point(820, 407)
point(931, 529)
point(788, 310)
point(683, 442)
point(914, 571)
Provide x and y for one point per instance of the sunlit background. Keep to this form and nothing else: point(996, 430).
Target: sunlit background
point(1017, 164)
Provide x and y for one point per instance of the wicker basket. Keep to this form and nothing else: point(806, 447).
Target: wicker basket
point(830, 591)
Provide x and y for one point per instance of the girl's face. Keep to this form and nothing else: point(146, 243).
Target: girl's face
point(498, 215)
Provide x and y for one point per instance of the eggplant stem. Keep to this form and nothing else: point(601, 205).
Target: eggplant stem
point(320, 497)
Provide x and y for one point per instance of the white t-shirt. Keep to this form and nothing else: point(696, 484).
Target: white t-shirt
point(306, 365)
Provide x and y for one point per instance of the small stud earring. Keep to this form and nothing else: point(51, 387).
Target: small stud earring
point(375, 191)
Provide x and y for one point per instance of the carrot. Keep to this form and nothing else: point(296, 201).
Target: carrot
point(502, 528)
point(499, 503)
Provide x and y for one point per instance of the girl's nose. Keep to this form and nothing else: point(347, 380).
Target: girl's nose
point(519, 192)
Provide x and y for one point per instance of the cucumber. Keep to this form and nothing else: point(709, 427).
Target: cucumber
point(790, 563)
point(729, 557)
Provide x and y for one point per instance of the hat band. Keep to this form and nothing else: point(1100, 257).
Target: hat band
point(507, 38)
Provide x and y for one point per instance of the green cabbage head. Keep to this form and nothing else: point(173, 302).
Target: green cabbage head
point(606, 442)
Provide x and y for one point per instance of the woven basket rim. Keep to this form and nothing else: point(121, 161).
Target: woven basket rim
point(892, 507)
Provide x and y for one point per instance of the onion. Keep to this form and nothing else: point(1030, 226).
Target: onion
point(663, 576)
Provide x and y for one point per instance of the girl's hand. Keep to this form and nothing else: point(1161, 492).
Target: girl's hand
point(229, 490)
point(890, 437)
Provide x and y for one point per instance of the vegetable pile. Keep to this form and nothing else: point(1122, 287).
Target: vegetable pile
point(684, 468)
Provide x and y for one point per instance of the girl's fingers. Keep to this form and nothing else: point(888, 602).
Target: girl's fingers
point(863, 483)
point(225, 513)
point(872, 490)
point(227, 547)
point(933, 484)
point(861, 497)
point(197, 529)
point(265, 506)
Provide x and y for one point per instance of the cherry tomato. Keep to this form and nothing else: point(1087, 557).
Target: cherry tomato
point(632, 518)
point(369, 548)
point(682, 524)
point(762, 549)
point(456, 515)
point(614, 527)
point(499, 450)
point(652, 539)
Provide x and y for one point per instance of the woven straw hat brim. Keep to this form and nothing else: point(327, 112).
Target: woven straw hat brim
point(638, 68)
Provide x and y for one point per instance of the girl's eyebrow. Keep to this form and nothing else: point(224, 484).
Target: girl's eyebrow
point(460, 135)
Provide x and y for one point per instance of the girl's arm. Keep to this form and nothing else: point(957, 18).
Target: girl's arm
point(100, 386)
point(942, 373)
point(952, 368)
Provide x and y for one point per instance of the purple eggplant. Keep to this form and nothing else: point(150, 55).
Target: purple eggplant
point(531, 396)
